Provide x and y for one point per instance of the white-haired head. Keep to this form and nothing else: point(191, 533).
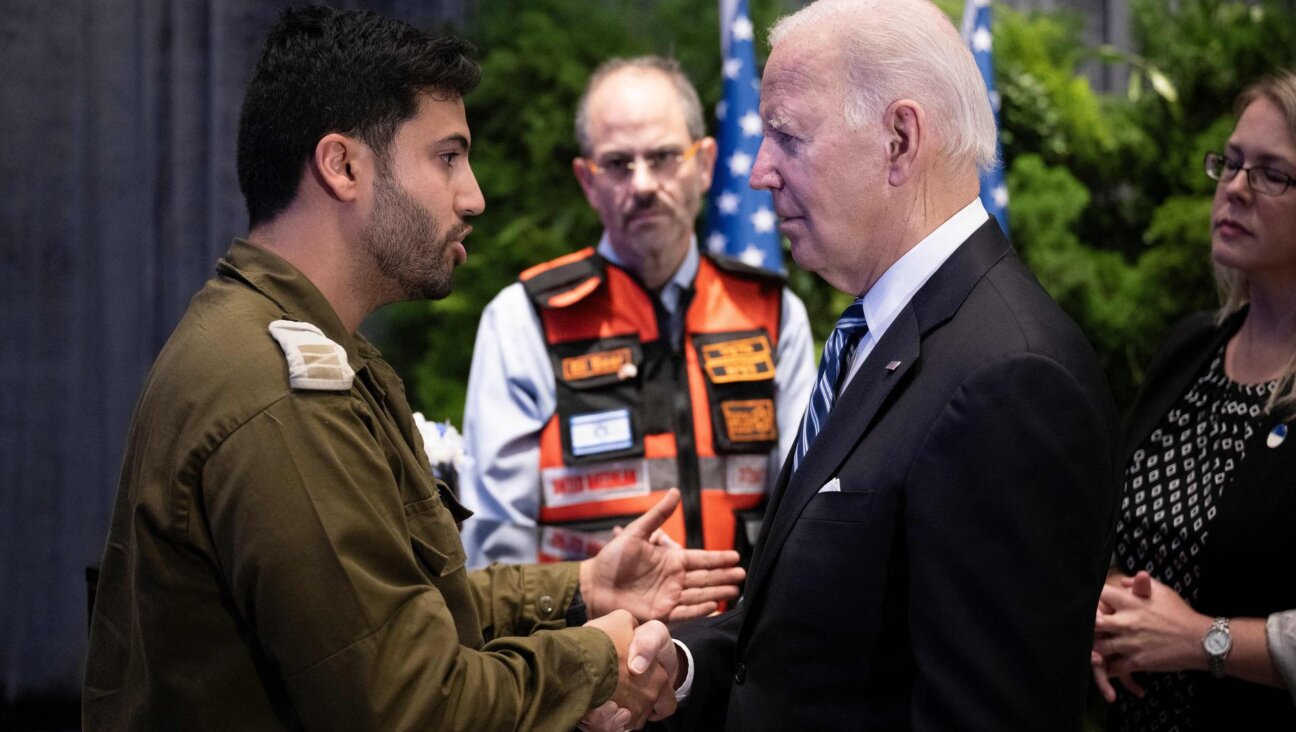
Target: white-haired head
point(905, 49)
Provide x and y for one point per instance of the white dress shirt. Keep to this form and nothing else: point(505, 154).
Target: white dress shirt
point(896, 287)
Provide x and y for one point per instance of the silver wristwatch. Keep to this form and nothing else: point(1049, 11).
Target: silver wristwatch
point(1217, 643)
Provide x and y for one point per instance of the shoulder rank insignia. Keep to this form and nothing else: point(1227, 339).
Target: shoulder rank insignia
point(314, 361)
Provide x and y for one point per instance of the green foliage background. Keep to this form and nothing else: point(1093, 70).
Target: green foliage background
point(1108, 202)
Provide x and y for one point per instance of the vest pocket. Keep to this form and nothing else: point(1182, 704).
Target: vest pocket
point(600, 400)
point(738, 368)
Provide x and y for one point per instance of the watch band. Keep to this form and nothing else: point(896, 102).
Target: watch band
point(1216, 660)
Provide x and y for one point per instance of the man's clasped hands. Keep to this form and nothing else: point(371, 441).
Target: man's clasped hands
point(642, 575)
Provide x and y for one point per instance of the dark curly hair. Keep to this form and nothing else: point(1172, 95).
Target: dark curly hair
point(348, 71)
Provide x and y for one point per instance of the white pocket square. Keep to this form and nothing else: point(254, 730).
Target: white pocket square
point(832, 486)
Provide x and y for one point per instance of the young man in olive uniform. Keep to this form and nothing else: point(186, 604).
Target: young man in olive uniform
point(280, 556)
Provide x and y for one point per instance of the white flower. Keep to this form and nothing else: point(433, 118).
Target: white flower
point(443, 444)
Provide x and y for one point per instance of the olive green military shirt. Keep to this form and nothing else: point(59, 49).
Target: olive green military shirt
point(281, 557)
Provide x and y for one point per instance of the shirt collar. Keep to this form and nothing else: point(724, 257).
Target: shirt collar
point(677, 285)
point(298, 297)
point(896, 287)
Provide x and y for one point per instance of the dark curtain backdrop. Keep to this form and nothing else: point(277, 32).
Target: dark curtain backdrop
point(118, 191)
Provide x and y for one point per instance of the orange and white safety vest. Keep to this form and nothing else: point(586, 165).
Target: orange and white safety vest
point(636, 415)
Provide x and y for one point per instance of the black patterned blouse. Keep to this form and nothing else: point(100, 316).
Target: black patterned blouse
point(1172, 485)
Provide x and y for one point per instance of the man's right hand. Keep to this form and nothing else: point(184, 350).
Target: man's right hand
point(646, 666)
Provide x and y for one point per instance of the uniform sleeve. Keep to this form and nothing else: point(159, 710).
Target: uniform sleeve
point(324, 569)
point(511, 395)
point(520, 599)
point(1009, 511)
point(794, 374)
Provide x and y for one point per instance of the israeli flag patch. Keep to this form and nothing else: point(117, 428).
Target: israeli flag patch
point(599, 432)
point(315, 363)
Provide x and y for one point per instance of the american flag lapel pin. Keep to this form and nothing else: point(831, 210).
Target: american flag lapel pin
point(893, 366)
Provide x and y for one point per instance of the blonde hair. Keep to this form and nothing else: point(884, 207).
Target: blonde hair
point(1234, 290)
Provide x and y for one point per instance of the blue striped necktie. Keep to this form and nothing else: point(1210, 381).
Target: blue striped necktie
point(837, 352)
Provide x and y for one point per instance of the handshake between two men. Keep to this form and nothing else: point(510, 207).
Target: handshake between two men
point(642, 575)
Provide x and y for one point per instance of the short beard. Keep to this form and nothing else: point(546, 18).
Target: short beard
point(406, 245)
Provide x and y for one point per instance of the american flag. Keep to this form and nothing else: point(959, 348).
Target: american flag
point(741, 222)
point(976, 31)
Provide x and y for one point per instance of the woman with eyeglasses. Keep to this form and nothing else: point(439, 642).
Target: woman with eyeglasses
point(1196, 619)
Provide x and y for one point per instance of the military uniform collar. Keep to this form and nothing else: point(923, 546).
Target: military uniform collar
point(294, 293)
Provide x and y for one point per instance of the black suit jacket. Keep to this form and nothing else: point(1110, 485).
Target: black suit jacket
point(951, 584)
point(1246, 562)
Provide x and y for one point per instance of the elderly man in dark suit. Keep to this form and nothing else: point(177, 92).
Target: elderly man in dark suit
point(936, 542)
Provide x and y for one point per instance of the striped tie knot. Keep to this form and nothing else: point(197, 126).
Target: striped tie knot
point(850, 328)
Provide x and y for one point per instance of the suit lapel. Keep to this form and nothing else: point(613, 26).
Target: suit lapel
point(860, 405)
point(852, 415)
